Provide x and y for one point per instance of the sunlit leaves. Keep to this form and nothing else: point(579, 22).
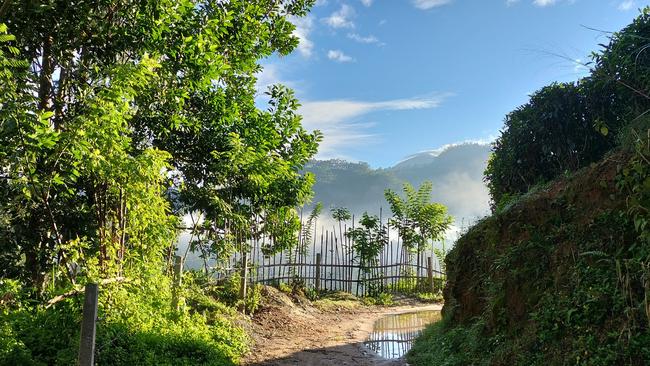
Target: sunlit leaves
point(416, 218)
point(368, 240)
point(124, 99)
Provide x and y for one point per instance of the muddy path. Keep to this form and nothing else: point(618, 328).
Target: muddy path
point(302, 334)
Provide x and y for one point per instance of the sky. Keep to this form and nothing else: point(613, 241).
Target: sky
point(385, 79)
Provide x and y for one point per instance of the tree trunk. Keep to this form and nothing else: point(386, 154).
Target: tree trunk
point(45, 79)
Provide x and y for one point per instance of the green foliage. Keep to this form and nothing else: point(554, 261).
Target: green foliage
point(309, 226)
point(206, 295)
point(433, 297)
point(444, 346)
point(566, 126)
point(379, 298)
point(117, 118)
point(368, 240)
point(417, 287)
point(416, 218)
point(284, 287)
point(341, 214)
point(137, 327)
point(618, 89)
point(311, 293)
point(140, 331)
point(634, 180)
point(161, 85)
point(441, 254)
point(542, 139)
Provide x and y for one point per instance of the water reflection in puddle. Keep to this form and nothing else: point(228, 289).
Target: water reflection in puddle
point(393, 335)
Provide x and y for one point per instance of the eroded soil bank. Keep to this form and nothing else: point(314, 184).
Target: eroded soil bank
point(293, 331)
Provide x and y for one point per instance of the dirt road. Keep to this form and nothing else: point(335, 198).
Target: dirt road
point(300, 334)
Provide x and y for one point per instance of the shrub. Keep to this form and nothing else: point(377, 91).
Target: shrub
point(551, 134)
point(566, 126)
point(137, 326)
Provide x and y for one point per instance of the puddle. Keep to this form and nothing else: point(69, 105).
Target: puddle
point(393, 335)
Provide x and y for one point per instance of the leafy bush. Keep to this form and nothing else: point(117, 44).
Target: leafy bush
point(566, 126)
point(381, 298)
point(618, 88)
point(285, 288)
point(552, 133)
point(137, 326)
point(430, 296)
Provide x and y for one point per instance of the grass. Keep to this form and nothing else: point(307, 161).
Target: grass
point(337, 301)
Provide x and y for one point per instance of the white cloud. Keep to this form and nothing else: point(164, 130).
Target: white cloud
point(338, 56)
point(304, 27)
point(270, 75)
point(428, 4)
point(367, 3)
point(543, 3)
point(339, 120)
point(341, 18)
point(627, 5)
point(364, 39)
point(267, 77)
point(579, 67)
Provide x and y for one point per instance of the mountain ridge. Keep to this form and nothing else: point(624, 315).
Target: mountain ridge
point(360, 188)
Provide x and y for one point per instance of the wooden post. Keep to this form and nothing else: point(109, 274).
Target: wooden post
point(244, 274)
point(178, 276)
point(318, 272)
point(88, 326)
point(430, 273)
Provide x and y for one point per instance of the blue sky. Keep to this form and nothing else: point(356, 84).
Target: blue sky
point(384, 79)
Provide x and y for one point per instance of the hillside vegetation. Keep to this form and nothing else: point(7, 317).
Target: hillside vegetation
point(559, 274)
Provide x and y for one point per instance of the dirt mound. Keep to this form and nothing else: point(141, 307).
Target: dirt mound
point(280, 312)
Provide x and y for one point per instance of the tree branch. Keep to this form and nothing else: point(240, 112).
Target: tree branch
point(4, 8)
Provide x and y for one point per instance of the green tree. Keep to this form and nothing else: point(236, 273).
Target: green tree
point(416, 218)
point(123, 116)
point(133, 112)
point(551, 134)
point(418, 221)
point(340, 214)
point(618, 88)
point(368, 241)
point(566, 126)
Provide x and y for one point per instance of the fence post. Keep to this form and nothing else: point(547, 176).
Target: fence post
point(244, 280)
point(88, 326)
point(318, 272)
point(178, 275)
point(430, 273)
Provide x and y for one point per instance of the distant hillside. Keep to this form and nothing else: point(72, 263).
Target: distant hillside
point(456, 172)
